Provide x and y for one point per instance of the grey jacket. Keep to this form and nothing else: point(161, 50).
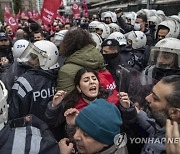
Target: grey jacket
point(155, 142)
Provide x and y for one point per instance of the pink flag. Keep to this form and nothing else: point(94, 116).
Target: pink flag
point(76, 12)
point(85, 8)
point(49, 11)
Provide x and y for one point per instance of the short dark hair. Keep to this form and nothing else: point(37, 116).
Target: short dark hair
point(39, 31)
point(142, 16)
point(174, 98)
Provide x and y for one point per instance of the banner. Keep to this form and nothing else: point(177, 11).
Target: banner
point(75, 10)
point(85, 8)
point(49, 10)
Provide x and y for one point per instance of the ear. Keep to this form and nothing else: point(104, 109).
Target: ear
point(78, 88)
point(174, 113)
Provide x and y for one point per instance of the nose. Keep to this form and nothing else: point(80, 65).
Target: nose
point(91, 80)
point(148, 98)
point(77, 135)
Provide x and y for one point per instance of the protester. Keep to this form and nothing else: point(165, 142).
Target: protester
point(79, 48)
point(172, 132)
point(162, 104)
point(101, 139)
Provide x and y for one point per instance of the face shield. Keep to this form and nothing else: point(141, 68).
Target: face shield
point(136, 84)
point(31, 53)
point(165, 58)
point(3, 104)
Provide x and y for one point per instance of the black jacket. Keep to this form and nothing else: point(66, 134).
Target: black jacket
point(31, 93)
point(20, 136)
point(13, 72)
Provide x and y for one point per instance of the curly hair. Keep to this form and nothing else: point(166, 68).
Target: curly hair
point(75, 39)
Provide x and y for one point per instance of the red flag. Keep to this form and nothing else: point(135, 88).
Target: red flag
point(23, 15)
point(6, 10)
point(60, 18)
point(61, 5)
point(36, 16)
point(85, 8)
point(30, 14)
point(49, 11)
point(67, 20)
point(76, 12)
point(10, 19)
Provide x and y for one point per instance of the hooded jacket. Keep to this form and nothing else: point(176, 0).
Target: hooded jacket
point(88, 57)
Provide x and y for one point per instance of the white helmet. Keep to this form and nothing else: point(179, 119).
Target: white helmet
point(110, 14)
point(173, 27)
point(166, 54)
point(160, 12)
point(137, 38)
point(144, 11)
point(155, 19)
point(105, 28)
point(97, 39)
point(119, 37)
point(46, 51)
point(114, 27)
point(3, 104)
point(19, 47)
point(58, 37)
point(132, 16)
point(93, 26)
point(175, 17)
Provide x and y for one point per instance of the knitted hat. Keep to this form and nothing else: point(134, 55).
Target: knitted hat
point(101, 120)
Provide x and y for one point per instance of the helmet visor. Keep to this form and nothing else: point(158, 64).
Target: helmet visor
point(164, 58)
point(32, 52)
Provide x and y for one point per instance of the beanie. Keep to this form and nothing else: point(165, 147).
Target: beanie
point(101, 120)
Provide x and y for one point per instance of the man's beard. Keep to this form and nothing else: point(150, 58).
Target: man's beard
point(159, 116)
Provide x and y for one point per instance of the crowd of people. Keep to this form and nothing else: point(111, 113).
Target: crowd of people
point(78, 87)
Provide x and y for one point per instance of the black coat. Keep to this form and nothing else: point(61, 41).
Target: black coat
point(31, 93)
point(34, 136)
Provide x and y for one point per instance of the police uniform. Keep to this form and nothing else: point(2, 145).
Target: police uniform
point(31, 93)
point(21, 137)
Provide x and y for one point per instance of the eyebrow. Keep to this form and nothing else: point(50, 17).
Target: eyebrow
point(155, 94)
point(89, 77)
